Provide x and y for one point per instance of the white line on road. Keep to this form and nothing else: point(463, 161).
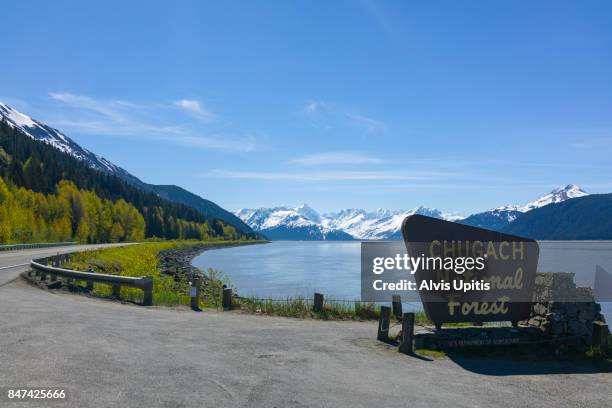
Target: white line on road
point(14, 266)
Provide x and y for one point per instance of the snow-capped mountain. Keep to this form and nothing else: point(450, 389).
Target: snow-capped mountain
point(292, 223)
point(498, 218)
point(556, 196)
point(346, 224)
point(303, 222)
point(379, 224)
point(41, 132)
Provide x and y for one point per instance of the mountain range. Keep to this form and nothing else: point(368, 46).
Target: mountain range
point(565, 213)
point(53, 137)
point(305, 223)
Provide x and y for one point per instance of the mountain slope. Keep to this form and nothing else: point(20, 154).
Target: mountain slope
point(581, 218)
point(53, 137)
point(286, 223)
point(206, 207)
point(499, 218)
point(379, 224)
point(303, 222)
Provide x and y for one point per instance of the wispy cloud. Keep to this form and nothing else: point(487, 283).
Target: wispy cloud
point(195, 107)
point(332, 158)
point(120, 118)
point(326, 115)
point(595, 143)
point(331, 176)
point(375, 11)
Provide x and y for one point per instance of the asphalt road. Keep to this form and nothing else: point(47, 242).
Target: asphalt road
point(12, 263)
point(107, 354)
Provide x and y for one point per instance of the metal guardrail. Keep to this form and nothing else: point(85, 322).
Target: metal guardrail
point(14, 247)
point(116, 281)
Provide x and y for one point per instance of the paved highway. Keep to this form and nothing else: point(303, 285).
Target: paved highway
point(107, 354)
point(12, 263)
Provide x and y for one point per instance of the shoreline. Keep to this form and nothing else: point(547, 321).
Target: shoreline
point(177, 262)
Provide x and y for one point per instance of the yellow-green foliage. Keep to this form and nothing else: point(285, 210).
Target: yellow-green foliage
point(141, 260)
point(69, 214)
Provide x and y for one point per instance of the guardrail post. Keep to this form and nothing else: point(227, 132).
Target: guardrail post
point(89, 284)
point(383, 323)
point(226, 301)
point(194, 292)
point(397, 306)
point(318, 302)
point(406, 344)
point(116, 290)
point(53, 278)
point(148, 291)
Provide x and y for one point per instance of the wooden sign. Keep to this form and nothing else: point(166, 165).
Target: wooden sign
point(459, 294)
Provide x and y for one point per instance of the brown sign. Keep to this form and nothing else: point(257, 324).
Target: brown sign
point(472, 274)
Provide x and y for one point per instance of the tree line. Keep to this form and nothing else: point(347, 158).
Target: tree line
point(34, 169)
point(69, 214)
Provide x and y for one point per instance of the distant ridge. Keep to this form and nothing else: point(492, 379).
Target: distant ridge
point(499, 218)
point(303, 222)
point(581, 218)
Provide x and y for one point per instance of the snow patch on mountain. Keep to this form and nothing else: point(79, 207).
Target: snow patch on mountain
point(301, 222)
point(498, 218)
point(558, 195)
point(41, 132)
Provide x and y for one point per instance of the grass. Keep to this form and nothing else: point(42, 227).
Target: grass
point(301, 307)
point(141, 260)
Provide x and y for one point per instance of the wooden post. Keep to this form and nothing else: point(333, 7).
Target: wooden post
point(397, 306)
point(383, 323)
point(147, 288)
point(318, 302)
point(194, 292)
point(601, 334)
point(406, 344)
point(116, 291)
point(227, 299)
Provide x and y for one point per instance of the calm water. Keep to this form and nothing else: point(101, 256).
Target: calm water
point(290, 268)
point(299, 268)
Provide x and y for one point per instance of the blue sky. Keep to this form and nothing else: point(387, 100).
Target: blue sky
point(459, 105)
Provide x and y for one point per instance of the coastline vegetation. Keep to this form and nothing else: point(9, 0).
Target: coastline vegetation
point(142, 260)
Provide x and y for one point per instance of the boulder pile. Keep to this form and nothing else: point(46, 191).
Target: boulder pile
point(564, 312)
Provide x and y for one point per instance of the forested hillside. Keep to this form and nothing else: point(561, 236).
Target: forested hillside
point(69, 214)
point(40, 168)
